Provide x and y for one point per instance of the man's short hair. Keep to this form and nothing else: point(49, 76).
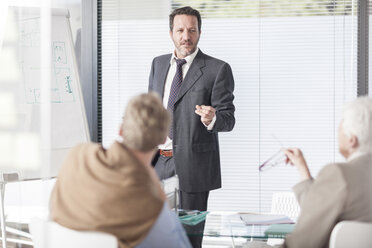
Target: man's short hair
point(357, 120)
point(184, 11)
point(145, 122)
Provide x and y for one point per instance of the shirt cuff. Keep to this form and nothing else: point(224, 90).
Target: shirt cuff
point(211, 125)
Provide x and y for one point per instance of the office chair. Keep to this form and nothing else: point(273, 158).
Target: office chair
point(171, 188)
point(348, 234)
point(284, 203)
point(48, 234)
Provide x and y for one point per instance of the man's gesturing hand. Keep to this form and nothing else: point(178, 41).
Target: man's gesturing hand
point(206, 113)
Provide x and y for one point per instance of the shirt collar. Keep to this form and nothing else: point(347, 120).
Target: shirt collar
point(355, 155)
point(189, 59)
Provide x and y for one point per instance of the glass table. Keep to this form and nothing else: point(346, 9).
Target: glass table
point(228, 226)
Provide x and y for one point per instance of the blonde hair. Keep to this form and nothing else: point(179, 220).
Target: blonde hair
point(357, 120)
point(145, 122)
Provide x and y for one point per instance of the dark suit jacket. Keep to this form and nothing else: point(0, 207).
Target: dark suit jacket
point(209, 81)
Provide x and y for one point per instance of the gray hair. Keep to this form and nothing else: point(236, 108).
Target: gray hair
point(145, 122)
point(357, 120)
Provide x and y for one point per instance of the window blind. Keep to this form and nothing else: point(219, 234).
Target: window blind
point(294, 64)
point(369, 45)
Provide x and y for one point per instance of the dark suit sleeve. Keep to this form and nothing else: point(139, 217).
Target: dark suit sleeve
point(151, 88)
point(222, 99)
point(151, 77)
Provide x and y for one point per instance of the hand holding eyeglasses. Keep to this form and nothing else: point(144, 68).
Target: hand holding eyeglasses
point(291, 156)
point(295, 157)
point(276, 159)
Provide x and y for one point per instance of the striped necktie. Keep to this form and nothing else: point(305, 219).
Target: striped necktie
point(175, 88)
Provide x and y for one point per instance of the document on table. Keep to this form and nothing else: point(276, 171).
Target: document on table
point(279, 230)
point(264, 219)
point(192, 217)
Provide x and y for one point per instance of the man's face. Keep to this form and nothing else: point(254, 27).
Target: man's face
point(185, 35)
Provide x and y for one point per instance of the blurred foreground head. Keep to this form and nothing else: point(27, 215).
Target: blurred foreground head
point(145, 123)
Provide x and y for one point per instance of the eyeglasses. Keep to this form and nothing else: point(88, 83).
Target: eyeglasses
point(276, 159)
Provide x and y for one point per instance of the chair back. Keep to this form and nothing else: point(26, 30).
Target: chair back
point(48, 234)
point(285, 203)
point(171, 188)
point(348, 234)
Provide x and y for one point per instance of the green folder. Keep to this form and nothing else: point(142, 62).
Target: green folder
point(193, 218)
point(279, 230)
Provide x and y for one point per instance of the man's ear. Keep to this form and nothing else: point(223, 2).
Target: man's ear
point(121, 131)
point(171, 34)
point(353, 142)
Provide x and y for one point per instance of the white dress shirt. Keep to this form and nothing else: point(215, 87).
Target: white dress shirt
point(167, 87)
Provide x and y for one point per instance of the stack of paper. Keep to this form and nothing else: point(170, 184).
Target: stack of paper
point(264, 219)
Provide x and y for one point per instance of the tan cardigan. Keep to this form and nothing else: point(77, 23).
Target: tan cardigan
point(342, 191)
point(108, 191)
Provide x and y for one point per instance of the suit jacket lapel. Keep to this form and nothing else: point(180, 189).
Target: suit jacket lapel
point(193, 74)
point(163, 77)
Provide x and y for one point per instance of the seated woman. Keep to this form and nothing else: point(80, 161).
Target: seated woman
point(342, 191)
point(116, 190)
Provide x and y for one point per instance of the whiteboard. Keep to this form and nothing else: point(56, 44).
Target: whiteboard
point(68, 119)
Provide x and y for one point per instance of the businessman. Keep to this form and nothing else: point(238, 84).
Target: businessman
point(342, 191)
point(198, 90)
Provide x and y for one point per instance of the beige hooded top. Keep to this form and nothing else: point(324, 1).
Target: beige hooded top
point(109, 191)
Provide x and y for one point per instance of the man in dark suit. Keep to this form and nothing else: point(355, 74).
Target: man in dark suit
point(198, 90)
